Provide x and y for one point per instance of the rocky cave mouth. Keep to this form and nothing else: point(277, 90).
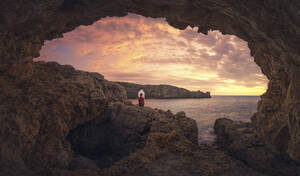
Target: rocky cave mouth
point(101, 141)
point(134, 49)
point(104, 141)
point(30, 97)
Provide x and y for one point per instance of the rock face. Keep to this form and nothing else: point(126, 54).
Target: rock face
point(123, 129)
point(271, 28)
point(130, 140)
point(35, 123)
point(161, 91)
point(70, 122)
point(240, 141)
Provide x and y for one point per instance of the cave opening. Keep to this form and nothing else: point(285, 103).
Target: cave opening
point(270, 28)
point(149, 51)
point(105, 140)
point(138, 49)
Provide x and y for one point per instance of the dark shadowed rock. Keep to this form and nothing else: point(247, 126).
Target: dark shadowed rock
point(239, 140)
point(145, 141)
point(125, 130)
point(58, 98)
point(81, 162)
point(161, 91)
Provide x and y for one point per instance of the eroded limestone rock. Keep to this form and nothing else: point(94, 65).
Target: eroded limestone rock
point(35, 122)
point(123, 129)
point(67, 122)
point(133, 140)
point(239, 140)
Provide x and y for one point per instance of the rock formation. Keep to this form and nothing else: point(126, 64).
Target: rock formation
point(240, 141)
point(71, 122)
point(37, 110)
point(56, 99)
point(161, 91)
point(124, 129)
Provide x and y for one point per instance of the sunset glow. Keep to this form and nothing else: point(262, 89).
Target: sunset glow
point(149, 51)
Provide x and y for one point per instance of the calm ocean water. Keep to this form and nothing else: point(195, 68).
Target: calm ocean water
point(206, 111)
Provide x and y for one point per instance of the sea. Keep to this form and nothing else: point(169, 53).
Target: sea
point(205, 111)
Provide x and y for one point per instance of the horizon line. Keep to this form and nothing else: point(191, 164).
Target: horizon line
point(237, 95)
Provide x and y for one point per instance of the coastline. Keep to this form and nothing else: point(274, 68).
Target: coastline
point(161, 91)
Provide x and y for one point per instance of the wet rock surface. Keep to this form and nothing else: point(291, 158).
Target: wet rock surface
point(161, 91)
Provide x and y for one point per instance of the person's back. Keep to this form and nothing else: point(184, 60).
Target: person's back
point(141, 101)
point(141, 98)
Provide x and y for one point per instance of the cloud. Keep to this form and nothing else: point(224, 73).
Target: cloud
point(149, 51)
point(189, 35)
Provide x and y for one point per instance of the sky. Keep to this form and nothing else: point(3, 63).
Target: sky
point(149, 51)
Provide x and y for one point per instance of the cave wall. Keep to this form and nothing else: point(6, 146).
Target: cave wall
point(271, 28)
point(38, 114)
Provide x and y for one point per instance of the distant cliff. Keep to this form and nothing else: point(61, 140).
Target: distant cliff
point(161, 91)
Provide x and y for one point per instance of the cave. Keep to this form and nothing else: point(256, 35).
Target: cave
point(33, 128)
point(105, 140)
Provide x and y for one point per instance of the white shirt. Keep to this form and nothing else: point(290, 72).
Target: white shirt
point(141, 92)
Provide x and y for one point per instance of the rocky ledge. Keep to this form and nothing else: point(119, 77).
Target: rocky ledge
point(161, 91)
point(37, 115)
point(239, 140)
point(72, 123)
point(129, 140)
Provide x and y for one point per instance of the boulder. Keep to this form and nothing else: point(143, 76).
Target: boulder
point(125, 130)
point(35, 123)
point(239, 140)
point(144, 141)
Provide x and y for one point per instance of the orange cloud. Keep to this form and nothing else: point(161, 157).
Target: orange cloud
point(149, 51)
